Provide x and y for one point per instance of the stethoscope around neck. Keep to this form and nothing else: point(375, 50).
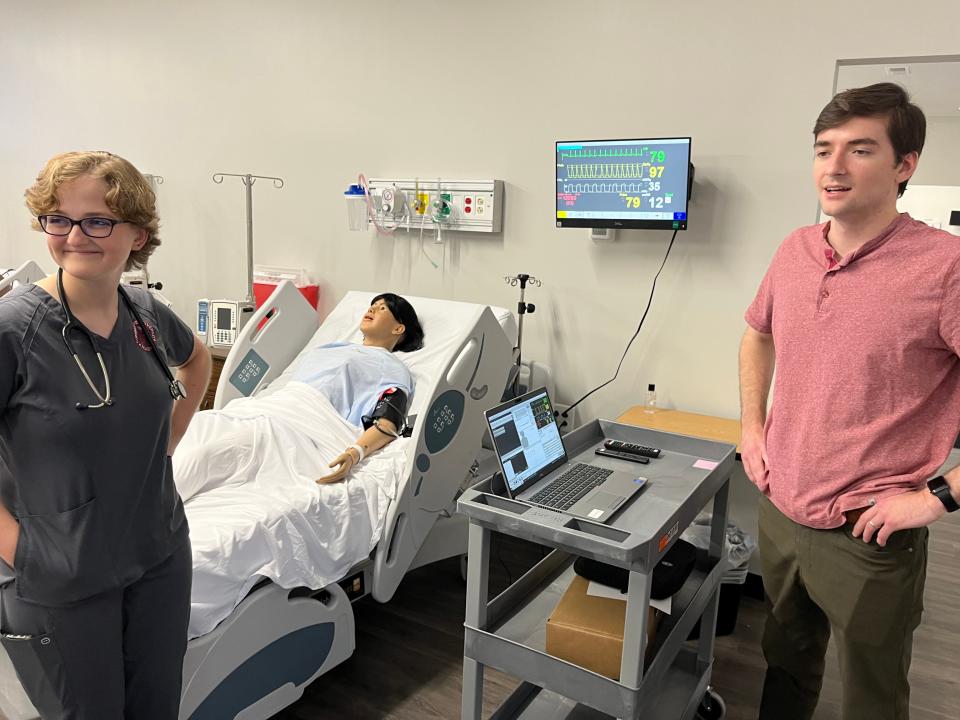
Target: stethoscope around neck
point(177, 390)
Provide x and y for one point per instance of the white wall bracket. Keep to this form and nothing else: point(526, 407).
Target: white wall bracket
point(461, 205)
point(603, 235)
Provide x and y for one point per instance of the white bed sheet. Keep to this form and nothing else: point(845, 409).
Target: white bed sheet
point(277, 522)
point(265, 516)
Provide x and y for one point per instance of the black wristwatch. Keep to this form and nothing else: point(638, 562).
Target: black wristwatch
point(938, 486)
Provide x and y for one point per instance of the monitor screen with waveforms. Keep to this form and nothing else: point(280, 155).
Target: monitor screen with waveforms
point(639, 184)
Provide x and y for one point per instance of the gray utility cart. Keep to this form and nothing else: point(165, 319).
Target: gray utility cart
point(508, 632)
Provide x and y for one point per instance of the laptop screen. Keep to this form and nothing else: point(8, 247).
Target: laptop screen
point(528, 442)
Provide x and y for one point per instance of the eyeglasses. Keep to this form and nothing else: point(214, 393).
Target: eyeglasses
point(95, 227)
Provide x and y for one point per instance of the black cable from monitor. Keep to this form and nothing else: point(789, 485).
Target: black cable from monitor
point(653, 288)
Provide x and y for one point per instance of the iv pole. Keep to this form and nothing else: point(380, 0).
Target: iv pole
point(523, 308)
point(248, 181)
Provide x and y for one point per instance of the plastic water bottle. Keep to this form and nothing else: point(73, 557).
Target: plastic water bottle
point(650, 405)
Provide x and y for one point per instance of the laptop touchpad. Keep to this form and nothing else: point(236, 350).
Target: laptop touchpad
point(606, 500)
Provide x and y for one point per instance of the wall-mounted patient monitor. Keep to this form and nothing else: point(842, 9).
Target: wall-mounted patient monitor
point(630, 184)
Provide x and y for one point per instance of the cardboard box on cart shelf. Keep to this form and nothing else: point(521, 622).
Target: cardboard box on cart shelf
point(588, 630)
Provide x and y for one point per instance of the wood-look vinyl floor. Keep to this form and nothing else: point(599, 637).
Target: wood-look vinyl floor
point(408, 660)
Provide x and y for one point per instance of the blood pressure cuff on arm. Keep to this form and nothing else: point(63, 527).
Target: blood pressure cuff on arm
point(392, 406)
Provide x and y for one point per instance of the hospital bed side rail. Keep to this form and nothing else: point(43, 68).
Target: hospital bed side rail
point(268, 343)
point(28, 272)
point(446, 438)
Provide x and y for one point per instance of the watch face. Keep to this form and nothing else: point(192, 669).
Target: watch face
point(939, 487)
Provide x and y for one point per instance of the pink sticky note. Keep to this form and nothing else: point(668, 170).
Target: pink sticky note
point(705, 464)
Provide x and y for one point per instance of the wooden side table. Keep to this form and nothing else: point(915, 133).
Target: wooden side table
point(219, 355)
point(743, 493)
point(685, 423)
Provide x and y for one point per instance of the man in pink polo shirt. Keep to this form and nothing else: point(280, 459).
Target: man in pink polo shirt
point(861, 317)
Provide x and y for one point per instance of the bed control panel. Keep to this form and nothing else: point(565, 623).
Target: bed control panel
point(443, 420)
point(250, 373)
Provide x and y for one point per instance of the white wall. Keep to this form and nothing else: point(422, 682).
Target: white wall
point(315, 92)
point(940, 161)
point(932, 204)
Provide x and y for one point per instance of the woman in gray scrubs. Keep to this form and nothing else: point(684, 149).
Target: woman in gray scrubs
point(94, 552)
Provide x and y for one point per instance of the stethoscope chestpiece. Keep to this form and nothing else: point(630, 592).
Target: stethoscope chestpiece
point(178, 390)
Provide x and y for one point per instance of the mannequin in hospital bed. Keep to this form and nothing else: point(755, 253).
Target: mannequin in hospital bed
point(367, 386)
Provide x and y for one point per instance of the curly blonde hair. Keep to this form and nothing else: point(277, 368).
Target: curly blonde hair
point(128, 195)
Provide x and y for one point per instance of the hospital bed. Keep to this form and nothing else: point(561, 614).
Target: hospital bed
point(259, 659)
point(27, 273)
point(279, 638)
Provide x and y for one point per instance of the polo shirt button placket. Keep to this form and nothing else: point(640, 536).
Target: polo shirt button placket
point(822, 295)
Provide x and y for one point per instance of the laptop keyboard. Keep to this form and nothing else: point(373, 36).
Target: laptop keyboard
point(563, 492)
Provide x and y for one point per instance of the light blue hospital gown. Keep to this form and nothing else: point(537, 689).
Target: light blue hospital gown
point(352, 376)
point(226, 448)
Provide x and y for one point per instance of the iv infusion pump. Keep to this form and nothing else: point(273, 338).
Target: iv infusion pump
point(220, 321)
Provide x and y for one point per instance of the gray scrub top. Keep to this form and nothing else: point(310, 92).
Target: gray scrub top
point(92, 489)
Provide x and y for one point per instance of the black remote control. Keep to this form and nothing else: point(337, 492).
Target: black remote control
point(622, 456)
point(625, 447)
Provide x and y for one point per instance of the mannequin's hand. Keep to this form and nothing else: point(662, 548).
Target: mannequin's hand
point(343, 463)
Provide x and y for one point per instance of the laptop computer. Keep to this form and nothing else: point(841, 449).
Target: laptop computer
point(535, 467)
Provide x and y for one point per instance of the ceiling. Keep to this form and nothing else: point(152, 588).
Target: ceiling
point(934, 86)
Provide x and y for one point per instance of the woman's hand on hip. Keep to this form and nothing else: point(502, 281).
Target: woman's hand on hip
point(9, 537)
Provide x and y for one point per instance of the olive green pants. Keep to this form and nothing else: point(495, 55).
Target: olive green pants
point(871, 598)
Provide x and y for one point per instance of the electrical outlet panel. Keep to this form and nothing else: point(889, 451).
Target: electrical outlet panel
point(463, 205)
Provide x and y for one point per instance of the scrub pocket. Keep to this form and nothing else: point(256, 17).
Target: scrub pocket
point(40, 667)
point(60, 556)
